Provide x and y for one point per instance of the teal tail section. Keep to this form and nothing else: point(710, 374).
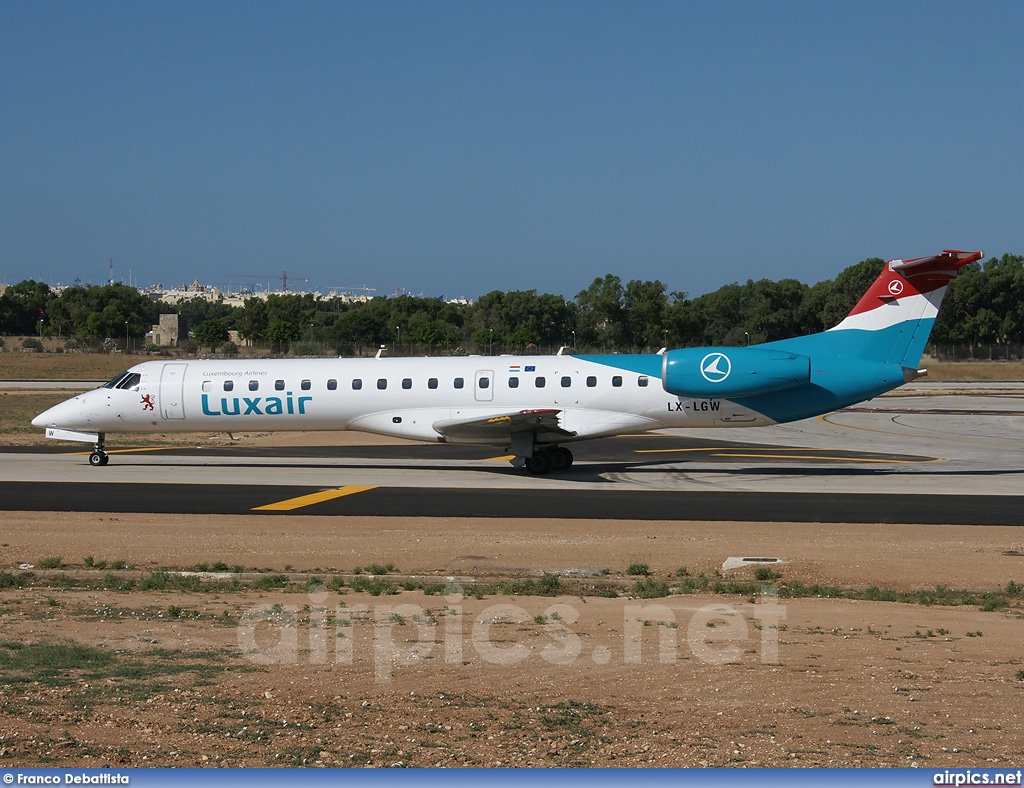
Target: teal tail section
point(875, 349)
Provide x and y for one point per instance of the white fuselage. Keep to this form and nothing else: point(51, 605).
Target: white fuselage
point(404, 397)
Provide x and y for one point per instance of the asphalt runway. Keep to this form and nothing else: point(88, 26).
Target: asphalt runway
point(550, 504)
point(955, 458)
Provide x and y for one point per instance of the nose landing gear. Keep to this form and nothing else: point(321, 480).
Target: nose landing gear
point(98, 456)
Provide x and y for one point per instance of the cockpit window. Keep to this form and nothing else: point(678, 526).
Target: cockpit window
point(119, 379)
point(130, 381)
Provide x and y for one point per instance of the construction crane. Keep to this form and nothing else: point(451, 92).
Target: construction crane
point(283, 276)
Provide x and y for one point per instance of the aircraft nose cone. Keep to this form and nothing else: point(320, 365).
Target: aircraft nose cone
point(60, 415)
point(48, 418)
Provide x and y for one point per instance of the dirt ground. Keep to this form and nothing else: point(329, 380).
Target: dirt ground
point(132, 667)
point(308, 675)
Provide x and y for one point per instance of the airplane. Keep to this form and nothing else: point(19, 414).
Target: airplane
point(532, 406)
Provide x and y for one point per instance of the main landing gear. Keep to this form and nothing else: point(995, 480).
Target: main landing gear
point(557, 458)
point(98, 456)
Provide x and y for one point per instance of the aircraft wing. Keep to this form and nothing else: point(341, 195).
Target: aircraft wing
point(500, 427)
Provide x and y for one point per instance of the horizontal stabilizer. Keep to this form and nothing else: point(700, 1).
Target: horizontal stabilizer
point(950, 258)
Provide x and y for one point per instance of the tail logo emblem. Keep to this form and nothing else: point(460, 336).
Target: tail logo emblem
point(896, 287)
point(715, 367)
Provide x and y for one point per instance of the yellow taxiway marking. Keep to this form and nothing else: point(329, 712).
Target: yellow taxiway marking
point(676, 451)
point(506, 458)
point(131, 451)
point(721, 452)
point(945, 439)
point(825, 420)
point(825, 457)
point(308, 500)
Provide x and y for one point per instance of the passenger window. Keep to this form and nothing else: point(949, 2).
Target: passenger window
point(484, 383)
point(459, 383)
point(332, 385)
point(254, 385)
point(431, 383)
point(382, 383)
point(279, 385)
point(406, 383)
point(539, 381)
point(207, 385)
point(566, 381)
point(617, 380)
point(642, 381)
point(591, 381)
point(229, 385)
point(306, 385)
point(357, 384)
point(513, 383)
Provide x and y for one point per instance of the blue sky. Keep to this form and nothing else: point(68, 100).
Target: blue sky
point(453, 148)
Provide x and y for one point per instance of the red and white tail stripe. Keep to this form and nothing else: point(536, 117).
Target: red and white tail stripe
point(907, 290)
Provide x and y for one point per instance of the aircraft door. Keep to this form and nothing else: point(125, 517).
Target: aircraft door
point(172, 386)
point(483, 385)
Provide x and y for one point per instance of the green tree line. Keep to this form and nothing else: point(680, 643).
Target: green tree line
point(984, 306)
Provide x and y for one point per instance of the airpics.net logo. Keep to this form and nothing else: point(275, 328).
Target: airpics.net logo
point(958, 777)
point(464, 630)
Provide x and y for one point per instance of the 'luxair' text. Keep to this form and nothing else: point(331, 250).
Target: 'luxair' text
point(257, 406)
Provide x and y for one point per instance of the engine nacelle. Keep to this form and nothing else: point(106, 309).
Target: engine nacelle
point(732, 371)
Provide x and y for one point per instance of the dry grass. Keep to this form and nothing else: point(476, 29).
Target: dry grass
point(967, 371)
point(16, 365)
point(18, 407)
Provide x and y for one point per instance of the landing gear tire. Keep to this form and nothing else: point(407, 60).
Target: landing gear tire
point(543, 461)
point(98, 458)
point(561, 459)
point(538, 464)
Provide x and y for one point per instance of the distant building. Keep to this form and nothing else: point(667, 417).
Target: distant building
point(239, 299)
point(170, 330)
point(349, 298)
point(186, 293)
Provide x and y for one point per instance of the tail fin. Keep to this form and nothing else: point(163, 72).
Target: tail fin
point(893, 319)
